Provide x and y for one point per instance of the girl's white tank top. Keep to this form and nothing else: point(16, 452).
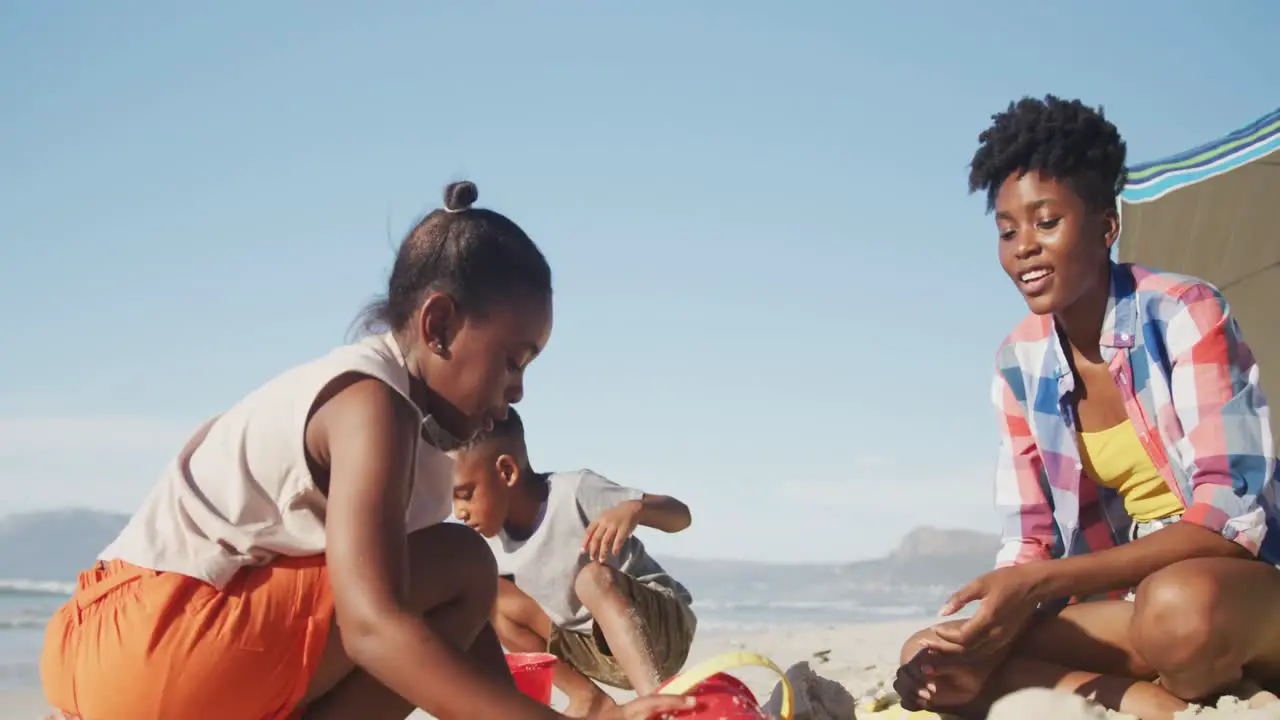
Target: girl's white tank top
point(240, 493)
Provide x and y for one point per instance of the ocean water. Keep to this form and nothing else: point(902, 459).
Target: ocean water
point(749, 614)
point(24, 610)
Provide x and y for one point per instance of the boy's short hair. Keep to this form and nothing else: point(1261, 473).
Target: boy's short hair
point(509, 430)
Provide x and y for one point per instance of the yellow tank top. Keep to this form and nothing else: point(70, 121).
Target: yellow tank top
point(1115, 459)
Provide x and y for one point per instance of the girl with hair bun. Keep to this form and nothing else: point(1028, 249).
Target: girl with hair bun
point(293, 560)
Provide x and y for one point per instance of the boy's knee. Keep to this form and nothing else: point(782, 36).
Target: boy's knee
point(594, 580)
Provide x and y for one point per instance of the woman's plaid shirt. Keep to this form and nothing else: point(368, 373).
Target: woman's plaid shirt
point(1190, 387)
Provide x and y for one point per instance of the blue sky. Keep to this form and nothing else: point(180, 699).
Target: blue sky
point(775, 299)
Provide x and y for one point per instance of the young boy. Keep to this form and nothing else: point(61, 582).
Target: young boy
point(575, 581)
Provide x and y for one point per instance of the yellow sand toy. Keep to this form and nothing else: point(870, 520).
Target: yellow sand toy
point(884, 704)
point(724, 697)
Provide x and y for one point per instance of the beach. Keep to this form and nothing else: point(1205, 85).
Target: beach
point(858, 656)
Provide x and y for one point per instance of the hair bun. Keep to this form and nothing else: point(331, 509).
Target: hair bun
point(460, 196)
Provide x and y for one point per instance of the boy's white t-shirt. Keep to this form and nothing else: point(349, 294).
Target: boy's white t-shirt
point(546, 564)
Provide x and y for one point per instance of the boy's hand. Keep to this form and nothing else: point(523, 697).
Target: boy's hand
point(609, 531)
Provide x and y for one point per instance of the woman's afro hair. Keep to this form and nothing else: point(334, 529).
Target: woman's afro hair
point(1063, 140)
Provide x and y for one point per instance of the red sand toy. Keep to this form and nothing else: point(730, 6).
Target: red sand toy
point(532, 673)
point(722, 696)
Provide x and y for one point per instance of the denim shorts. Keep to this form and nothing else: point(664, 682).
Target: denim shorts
point(1143, 529)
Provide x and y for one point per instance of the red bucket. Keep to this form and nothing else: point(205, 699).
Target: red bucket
point(721, 696)
point(532, 673)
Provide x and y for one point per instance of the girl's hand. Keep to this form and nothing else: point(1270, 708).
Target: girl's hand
point(609, 531)
point(649, 706)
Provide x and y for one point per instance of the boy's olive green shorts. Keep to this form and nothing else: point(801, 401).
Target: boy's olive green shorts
point(668, 625)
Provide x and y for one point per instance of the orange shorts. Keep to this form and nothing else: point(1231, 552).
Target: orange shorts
point(136, 644)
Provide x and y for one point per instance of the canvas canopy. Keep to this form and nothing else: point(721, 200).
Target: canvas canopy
point(1214, 212)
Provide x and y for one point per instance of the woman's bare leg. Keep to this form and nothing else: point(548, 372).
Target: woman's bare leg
point(1205, 625)
point(1085, 648)
point(1201, 626)
point(1139, 698)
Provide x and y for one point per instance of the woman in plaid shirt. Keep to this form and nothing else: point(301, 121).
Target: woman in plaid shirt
point(1136, 469)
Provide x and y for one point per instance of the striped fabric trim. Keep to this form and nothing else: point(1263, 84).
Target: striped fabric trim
point(1151, 181)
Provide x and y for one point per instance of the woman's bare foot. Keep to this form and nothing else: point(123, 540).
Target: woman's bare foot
point(932, 680)
point(583, 707)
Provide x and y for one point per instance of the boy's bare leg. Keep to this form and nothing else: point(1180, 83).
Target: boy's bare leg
point(597, 588)
point(522, 626)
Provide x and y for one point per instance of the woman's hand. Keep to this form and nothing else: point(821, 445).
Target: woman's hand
point(643, 708)
point(1007, 599)
point(933, 681)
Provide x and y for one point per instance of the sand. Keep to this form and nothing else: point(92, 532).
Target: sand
point(856, 657)
point(1049, 705)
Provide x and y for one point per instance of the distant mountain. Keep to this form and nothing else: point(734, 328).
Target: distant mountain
point(924, 556)
point(937, 543)
point(928, 564)
point(54, 545)
point(929, 555)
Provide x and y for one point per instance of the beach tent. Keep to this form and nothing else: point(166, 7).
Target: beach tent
point(1214, 212)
